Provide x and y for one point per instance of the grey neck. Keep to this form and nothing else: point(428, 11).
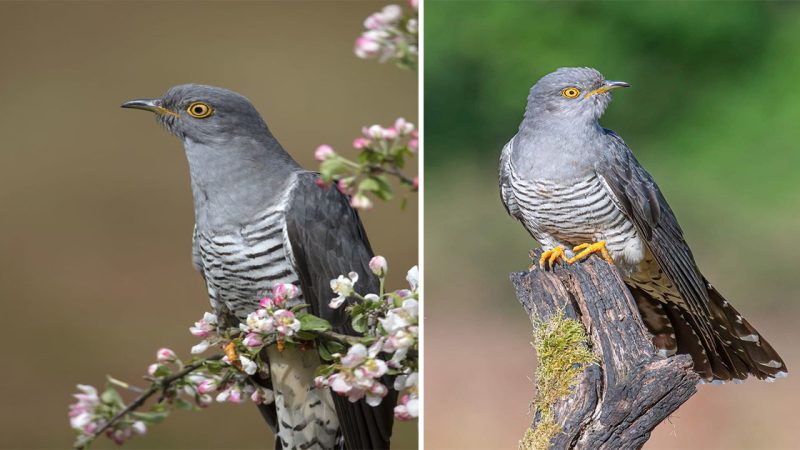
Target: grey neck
point(233, 182)
point(556, 148)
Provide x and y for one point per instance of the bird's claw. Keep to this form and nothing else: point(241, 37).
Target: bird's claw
point(584, 250)
point(551, 257)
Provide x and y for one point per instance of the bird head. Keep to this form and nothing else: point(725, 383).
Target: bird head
point(204, 114)
point(572, 93)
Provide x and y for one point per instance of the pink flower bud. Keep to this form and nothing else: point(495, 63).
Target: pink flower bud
point(324, 152)
point(252, 340)
point(378, 265)
point(151, 369)
point(361, 201)
point(366, 47)
point(206, 386)
point(390, 133)
point(285, 291)
point(360, 143)
point(165, 355)
point(321, 183)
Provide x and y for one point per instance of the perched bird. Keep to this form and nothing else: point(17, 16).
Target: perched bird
point(578, 190)
point(260, 220)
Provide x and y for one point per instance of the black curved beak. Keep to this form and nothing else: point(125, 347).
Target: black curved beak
point(616, 84)
point(148, 104)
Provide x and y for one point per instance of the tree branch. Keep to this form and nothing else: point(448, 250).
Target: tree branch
point(616, 403)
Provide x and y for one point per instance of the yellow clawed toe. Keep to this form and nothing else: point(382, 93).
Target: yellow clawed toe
point(553, 256)
point(584, 250)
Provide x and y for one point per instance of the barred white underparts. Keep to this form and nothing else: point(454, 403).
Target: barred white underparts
point(240, 268)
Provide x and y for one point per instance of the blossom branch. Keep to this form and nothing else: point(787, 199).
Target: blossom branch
point(159, 385)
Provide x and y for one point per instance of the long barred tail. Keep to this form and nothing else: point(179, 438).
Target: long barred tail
point(738, 350)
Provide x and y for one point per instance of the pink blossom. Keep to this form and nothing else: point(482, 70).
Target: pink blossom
point(285, 291)
point(286, 322)
point(375, 394)
point(165, 355)
point(360, 143)
point(324, 152)
point(414, 3)
point(344, 186)
point(262, 396)
point(204, 326)
point(407, 409)
point(206, 386)
point(366, 47)
point(355, 356)
point(252, 340)
point(378, 265)
point(321, 183)
point(361, 201)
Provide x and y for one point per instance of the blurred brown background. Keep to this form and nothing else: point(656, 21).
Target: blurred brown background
point(95, 205)
point(712, 113)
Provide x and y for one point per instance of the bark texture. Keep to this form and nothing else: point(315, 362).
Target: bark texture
point(619, 401)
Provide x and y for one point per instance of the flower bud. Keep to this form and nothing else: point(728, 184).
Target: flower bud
point(324, 152)
point(165, 355)
point(378, 265)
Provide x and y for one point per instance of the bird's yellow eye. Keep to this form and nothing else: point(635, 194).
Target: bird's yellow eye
point(570, 92)
point(199, 110)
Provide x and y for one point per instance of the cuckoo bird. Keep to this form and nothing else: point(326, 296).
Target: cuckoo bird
point(260, 220)
point(578, 190)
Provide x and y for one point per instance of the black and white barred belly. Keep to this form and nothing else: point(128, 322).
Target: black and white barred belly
point(241, 267)
point(569, 214)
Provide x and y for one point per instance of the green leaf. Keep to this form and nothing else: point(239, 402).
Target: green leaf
point(335, 347)
point(305, 335)
point(183, 405)
point(331, 167)
point(111, 396)
point(310, 322)
point(369, 184)
point(324, 352)
point(360, 323)
point(151, 417)
point(323, 370)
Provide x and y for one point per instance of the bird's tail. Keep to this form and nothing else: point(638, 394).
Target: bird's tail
point(747, 352)
point(737, 350)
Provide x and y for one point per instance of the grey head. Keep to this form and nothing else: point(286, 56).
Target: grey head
point(574, 94)
point(237, 166)
point(560, 135)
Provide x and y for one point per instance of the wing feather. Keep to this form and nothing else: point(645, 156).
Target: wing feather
point(641, 200)
point(328, 239)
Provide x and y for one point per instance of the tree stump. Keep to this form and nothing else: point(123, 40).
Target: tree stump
point(618, 401)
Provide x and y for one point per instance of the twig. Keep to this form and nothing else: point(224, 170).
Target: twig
point(392, 171)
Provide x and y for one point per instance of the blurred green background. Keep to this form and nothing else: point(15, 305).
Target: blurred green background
point(712, 113)
point(95, 205)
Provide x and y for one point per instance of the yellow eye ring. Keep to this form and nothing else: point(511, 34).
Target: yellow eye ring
point(571, 92)
point(199, 110)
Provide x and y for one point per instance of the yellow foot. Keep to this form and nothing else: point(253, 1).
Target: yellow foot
point(553, 256)
point(587, 249)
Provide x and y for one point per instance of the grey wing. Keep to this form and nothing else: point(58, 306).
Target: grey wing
point(327, 239)
point(638, 196)
point(506, 191)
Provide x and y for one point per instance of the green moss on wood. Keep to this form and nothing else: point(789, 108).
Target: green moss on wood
point(563, 350)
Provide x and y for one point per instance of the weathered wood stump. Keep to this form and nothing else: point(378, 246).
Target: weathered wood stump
point(617, 402)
